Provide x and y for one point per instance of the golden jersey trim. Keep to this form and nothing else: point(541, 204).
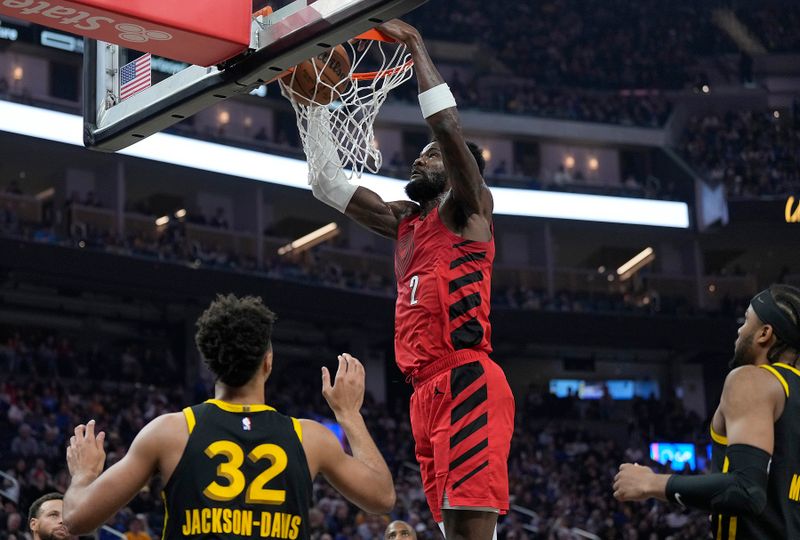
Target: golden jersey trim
point(790, 368)
point(731, 520)
point(298, 428)
point(717, 438)
point(190, 419)
point(239, 408)
point(779, 376)
point(166, 511)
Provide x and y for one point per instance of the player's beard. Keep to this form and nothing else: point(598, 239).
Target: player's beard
point(743, 353)
point(427, 187)
point(57, 533)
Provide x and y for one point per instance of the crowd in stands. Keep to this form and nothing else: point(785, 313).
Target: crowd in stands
point(561, 465)
point(527, 96)
point(626, 109)
point(643, 301)
point(585, 302)
point(48, 355)
point(774, 22)
point(317, 267)
point(577, 43)
point(754, 153)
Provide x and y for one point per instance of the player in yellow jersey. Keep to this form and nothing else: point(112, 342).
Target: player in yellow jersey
point(234, 467)
point(754, 491)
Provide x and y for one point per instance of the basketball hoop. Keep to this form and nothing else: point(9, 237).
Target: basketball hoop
point(345, 118)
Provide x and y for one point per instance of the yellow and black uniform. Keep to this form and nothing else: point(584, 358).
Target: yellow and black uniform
point(243, 474)
point(781, 516)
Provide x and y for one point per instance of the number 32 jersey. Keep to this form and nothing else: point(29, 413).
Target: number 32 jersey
point(243, 474)
point(443, 293)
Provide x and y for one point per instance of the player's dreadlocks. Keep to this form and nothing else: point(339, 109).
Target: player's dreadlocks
point(233, 335)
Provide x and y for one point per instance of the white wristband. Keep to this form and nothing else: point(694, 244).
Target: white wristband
point(436, 100)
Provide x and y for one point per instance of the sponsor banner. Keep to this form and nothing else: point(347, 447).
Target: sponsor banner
point(783, 210)
point(202, 32)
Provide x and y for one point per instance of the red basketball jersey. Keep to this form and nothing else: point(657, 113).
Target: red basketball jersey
point(443, 293)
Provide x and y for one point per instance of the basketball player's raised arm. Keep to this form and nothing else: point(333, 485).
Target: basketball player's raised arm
point(469, 190)
point(330, 184)
point(750, 398)
point(370, 210)
point(93, 495)
point(364, 477)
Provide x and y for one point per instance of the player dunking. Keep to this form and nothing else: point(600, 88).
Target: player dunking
point(462, 409)
point(232, 466)
point(754, 492)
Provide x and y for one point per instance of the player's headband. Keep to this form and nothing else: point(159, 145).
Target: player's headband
point(768, 311)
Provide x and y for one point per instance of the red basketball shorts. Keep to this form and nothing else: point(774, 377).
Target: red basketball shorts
point(462, 419)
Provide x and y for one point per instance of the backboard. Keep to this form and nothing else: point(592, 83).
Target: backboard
point(292, 33)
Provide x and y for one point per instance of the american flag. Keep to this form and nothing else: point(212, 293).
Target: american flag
point(134, 77)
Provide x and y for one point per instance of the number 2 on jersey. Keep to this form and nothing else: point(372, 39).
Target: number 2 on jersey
point(230, 470)
point(414, 283)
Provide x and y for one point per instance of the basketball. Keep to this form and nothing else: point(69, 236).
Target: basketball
point(320, 78)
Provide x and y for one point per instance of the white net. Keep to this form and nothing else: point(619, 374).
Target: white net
point(336, 122)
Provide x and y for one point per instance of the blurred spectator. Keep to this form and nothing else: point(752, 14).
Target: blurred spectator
point(137, 529)
point(261, 135)
point(9, 220)
point(219, 220)
point(14, 527)
point(774, 22)
point(24, 445)
point(13, 188)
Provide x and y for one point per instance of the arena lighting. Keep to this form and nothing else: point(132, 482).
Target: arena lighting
point(639, 261)
point(261, 167)
point(180, 214)
point(163, 220)
point(45, 194)
point(310, 240)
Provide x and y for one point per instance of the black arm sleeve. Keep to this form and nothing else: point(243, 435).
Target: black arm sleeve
point(742, 490)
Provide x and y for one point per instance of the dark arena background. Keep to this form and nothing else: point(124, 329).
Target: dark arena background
point(613, 321)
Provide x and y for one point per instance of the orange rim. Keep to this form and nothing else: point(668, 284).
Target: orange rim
point(266, 11)
point(365, 76)
point(377, 35)
point(373, 35)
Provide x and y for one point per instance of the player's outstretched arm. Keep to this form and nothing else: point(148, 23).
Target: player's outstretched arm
point(750, 397)
point(367, 208)
point(364, 477)
point(93, 495)
point(330, 184)
point(469, 191)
